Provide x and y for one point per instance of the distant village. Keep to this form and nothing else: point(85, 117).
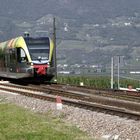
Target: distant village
point(88, 69)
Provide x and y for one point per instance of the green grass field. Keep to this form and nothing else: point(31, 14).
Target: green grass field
point(17, 123)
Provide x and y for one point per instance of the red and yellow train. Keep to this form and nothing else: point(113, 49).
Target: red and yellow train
point(27, 58)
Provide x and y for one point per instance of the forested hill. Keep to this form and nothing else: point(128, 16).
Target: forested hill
point(89, 10)
point(83, 26)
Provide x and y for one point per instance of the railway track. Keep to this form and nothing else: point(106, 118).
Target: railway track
point(80, 99)
point(124, 95)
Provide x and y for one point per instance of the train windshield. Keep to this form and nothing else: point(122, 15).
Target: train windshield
point(38, 48)
point(39, 52)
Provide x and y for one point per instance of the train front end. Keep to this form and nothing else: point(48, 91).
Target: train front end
point(42, 60)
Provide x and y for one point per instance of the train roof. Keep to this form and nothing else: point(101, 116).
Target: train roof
point(36, 40)
point(33, 38)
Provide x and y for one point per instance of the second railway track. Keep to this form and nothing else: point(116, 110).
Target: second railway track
point(80, 99)
point(124, 95)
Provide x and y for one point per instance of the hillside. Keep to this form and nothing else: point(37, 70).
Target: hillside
point(96, 29)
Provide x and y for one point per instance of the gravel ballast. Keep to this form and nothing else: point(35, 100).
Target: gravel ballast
point(97, 125)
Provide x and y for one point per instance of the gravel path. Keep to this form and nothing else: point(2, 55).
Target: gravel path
point(98, 125)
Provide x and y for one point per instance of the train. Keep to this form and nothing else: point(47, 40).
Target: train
point(28, 58)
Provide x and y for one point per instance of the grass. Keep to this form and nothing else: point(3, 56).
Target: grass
point(19, 124)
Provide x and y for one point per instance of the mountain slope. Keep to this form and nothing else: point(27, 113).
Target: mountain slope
point(100, 24)
point(95, 9)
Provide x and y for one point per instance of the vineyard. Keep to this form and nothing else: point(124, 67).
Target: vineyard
point(97, 81)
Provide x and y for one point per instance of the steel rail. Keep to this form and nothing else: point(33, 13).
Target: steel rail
point(133, 111)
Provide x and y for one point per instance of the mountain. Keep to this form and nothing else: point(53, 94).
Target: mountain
point(33, 9)
point(97, 29)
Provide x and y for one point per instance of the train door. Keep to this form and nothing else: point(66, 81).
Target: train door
point(7, 60)
point(10, 60)
point(21, 56)
point(22, 61)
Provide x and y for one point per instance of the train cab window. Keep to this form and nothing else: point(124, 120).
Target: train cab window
point(21, 56)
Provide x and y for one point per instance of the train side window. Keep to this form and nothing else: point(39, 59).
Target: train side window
point(21, 56)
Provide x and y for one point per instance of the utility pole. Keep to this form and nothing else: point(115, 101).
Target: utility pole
point(54, 40)
point(118, 72)
point(112, 72)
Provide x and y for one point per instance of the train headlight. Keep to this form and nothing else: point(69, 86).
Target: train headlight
point(48, 64)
